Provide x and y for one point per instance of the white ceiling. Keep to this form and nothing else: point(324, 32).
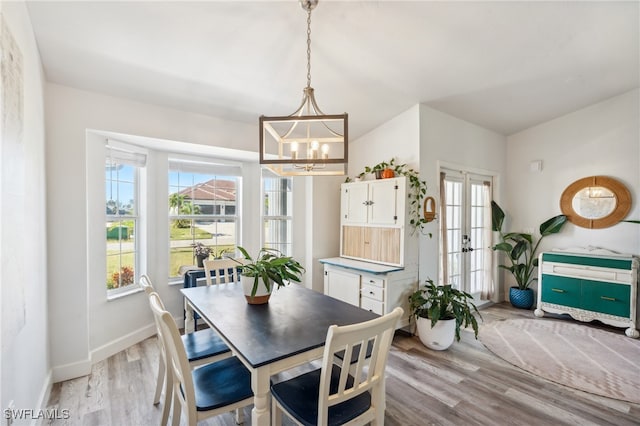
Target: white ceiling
point(503, 65)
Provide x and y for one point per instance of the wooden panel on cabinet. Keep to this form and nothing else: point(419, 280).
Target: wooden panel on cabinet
point(353, 241)
point(384, 244)
point(372, 244)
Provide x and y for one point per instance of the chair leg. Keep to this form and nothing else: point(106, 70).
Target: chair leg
point(276, 413)
point(168, 394)
point(161, 370)
point(239, 416)
point(176, 411)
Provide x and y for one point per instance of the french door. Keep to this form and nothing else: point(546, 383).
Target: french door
point(466, 231)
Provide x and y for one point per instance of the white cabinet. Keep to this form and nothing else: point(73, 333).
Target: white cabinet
point(376, 288)
point(378, 202)
point(373, 225)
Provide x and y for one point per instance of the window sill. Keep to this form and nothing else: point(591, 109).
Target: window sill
point(135, 289)
point(176, 281)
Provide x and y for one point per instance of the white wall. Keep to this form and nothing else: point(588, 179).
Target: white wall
point(397, 138)
point(24, 356)
point(83, 323)
point(602, 139)
point(447, 140)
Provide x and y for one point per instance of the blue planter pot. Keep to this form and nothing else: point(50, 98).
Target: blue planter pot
point(522, 299)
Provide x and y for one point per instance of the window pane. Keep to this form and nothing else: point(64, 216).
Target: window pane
point(277, 212)
point(120, 189)
point(202, 208)
point(276, 234)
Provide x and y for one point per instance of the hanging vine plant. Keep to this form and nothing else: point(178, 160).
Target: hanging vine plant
point(416, 194)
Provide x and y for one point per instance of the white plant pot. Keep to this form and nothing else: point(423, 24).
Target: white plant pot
point(439, 337)
point(262, 294)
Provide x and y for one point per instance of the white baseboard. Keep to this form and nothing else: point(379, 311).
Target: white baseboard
point(43, 399)
point(128, 340)
point(70, 371)
point(122, 343)
point(82, 368)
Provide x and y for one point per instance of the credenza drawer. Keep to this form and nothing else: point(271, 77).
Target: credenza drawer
point(372, 292)
point(608, 298)
point(561, 290)
point(374, 306)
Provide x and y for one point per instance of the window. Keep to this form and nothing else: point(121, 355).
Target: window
point(277, 212)
point(122, 172)
point(203, 201)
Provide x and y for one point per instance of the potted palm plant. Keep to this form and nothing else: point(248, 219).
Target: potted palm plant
point(440, 312)
point(270, 267)
point(520, 249)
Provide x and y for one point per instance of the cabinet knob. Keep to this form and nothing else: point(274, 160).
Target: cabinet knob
point(371, 292)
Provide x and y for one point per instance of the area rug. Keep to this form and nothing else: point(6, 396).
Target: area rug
point(569, 353)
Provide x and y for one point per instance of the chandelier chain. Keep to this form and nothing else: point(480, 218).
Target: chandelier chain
point(309, 47)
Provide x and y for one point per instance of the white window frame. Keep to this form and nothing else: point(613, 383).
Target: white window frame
point(214, 167)
point(124, 154)
point(265, 217)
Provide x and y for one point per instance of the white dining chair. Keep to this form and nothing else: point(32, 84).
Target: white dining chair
point(201, 347)
point(226, 271)
point(207, 391)
point(331, 395)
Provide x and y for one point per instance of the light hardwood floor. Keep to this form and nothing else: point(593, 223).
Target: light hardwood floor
point(465, 385)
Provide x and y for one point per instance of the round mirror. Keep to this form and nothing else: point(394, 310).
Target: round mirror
point(595, 202)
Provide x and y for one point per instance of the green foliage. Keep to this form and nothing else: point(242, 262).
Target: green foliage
point(443, 303)
point(270, 265)
point(520, 248)
point(416, 194)
point(179, 205)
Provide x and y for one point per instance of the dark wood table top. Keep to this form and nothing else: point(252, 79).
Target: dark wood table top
point(295, 320)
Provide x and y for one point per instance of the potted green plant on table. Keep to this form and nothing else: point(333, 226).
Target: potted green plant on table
point(440, 312)
point(520, 249)
point(270, 267)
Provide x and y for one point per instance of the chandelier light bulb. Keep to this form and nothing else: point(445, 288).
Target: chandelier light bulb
point(325, 151)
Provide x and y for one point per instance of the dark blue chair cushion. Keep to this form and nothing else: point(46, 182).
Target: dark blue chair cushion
point(299, 396)
point(356, 352)
point(203, 344)
point(221, 383)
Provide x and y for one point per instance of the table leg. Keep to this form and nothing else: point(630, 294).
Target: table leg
point(189, 324)
point(261, 413)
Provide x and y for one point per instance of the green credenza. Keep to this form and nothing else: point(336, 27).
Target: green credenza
point(589, 287)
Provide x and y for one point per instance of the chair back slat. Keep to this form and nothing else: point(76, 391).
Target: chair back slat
point(225, 271)
point(380, 332)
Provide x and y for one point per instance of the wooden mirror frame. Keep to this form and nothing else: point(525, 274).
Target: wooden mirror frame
point(623, 202)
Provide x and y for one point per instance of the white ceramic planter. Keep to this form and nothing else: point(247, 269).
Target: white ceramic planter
point(262, 294)
point(439, 337)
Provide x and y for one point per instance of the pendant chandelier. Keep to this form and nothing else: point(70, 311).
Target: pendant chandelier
point(307, 142)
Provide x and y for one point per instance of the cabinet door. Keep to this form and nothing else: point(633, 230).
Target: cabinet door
point(382, 202)
point(354, 203)
point(342, 285)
